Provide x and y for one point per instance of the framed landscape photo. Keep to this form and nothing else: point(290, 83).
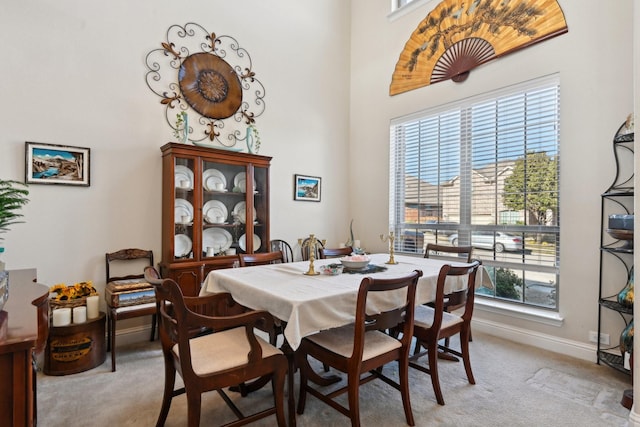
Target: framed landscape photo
point(307, 188)
point(56, 164)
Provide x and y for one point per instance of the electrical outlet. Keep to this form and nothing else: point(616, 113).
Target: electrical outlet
point(604, 338)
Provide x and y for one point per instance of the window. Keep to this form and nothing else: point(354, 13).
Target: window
point(484, 172)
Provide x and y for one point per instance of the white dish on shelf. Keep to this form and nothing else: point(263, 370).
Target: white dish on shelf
point(213, 209)
point(183, 173)
point(212, 176)
point(182, 208)
point(217, 238)
point(242, 242)
point(181, 245)
point(240, 181)
point(240, 210)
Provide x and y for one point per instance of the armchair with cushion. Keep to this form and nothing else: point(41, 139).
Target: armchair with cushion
point(229, 354)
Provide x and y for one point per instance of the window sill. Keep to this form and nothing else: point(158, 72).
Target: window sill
point(531, 314)
point(407, 8)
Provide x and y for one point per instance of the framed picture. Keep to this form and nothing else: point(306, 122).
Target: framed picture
point(56, 164)
point(307, 188)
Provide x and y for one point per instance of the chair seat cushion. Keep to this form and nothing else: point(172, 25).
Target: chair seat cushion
point(340, 341)
point(223, 350)
point(424, 318)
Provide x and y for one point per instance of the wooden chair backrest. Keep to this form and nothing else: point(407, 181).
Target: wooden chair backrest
point(261, 258)
point(305, 249)
point(129, 256)
point(284, 247)
point(324, 253)
point(400, 316)
point(466, 295)
point(440, 251)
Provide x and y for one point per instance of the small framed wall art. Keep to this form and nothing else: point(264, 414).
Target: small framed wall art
point(307, 188)
point(56, 164)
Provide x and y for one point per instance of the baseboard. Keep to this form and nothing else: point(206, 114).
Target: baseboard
point(125, 336)
point(548, 342)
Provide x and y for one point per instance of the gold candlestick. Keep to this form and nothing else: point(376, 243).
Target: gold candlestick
point(390, 238)
point(311, 244)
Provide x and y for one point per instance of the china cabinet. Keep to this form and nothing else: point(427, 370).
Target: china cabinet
point(615, 313)
point(215, 203)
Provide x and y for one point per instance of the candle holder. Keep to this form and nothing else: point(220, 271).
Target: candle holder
point(390, 238)
point(311, 243)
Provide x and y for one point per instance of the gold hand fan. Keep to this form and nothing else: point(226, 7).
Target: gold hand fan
point(455, 38)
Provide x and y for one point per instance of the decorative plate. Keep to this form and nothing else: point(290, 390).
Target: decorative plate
point(183, 173)
point(240, 210)
point(213, 209)
point(181, 245)
point(242, 242)
point(212, 176)
point(182, 208)
point(217, 238)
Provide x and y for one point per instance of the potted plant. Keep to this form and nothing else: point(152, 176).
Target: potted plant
point(13, 195)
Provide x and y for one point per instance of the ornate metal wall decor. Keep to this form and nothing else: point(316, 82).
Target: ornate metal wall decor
point(458, 35)
point(208, 76)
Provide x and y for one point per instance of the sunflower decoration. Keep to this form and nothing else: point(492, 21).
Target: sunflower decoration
point(75, 291)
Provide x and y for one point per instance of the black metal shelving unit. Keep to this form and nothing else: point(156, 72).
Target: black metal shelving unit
point(618, 198)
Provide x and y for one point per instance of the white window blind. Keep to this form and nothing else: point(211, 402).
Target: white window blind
point(484, 172)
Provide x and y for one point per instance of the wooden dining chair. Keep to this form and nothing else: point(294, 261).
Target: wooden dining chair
point(362, 348)
point(261, 258)
point(325, 253)
point(229, 354)
point(304, 248)
point(136, 297)
point(453, 300)
point(431, 324)
point(284, 247)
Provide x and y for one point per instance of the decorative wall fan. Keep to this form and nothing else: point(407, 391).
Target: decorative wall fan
point(458, 35)
point(208, 76)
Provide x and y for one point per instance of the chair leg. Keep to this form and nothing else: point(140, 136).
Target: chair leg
point(433, 369)
point(465, 337)
point(354, 398)
point(169, 383)
point(108, 330)
point(403, 371)
point(154, 320)
point(277, 383)
point(194, 402)
point(113, 343)
point(303, 365)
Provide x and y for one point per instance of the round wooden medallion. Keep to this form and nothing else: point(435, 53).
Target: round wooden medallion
point(210, 86)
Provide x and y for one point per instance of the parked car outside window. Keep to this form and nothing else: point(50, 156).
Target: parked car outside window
point(440, 231)
point(485, 240)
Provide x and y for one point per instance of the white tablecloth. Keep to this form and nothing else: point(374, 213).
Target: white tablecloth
point(309, 304)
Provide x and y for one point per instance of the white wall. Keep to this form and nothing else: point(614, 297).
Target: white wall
point(73, 72)
point(594, 61)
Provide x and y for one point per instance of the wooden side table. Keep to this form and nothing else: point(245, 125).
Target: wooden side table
point(23, 330)
point(76, 348)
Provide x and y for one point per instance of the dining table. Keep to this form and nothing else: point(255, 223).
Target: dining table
point(306, 304)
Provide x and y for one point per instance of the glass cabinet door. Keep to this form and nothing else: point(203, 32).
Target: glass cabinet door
point(183, 208)
point(224, 215)
point(261, 208)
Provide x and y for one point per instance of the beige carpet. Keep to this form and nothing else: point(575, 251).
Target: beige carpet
point(516, 386)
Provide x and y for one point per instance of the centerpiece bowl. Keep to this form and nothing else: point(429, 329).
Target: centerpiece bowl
point(355, 262)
